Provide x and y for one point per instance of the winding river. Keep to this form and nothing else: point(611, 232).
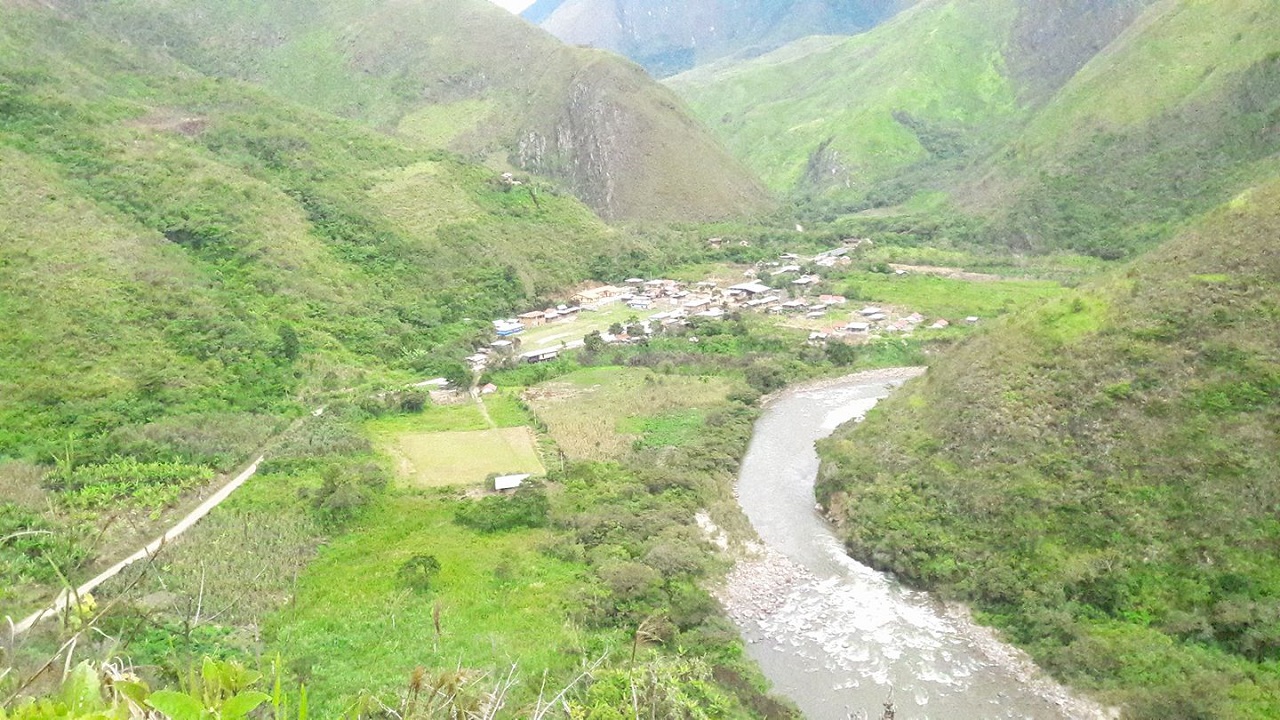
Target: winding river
point(837, 637)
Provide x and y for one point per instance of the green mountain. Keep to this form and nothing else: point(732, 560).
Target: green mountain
point(668, 37)
point(1101, 476)
point(461, 75)
point(175, 244)
point(1096, 127)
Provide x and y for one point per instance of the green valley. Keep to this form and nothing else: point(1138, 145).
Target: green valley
point(440, 352)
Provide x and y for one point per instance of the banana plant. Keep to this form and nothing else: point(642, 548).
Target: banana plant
point(220, 691)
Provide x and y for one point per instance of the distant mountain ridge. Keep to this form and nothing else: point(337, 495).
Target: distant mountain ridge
point(667, 37)
point(1063, 123)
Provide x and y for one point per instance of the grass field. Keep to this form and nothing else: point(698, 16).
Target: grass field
point(435, 459)
point(600, 413)
point(953, 299)
point(503, 409)
point(354, 627)
point(455, 444)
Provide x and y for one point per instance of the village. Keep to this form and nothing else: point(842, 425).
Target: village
point(643, 307)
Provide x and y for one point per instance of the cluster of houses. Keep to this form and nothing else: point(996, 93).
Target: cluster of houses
point(789, 290)
point(872, 320)
point(514, 326)
point(507, 347)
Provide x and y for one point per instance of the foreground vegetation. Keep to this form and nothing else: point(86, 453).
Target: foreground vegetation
point(1099, 476)
point(594, 577)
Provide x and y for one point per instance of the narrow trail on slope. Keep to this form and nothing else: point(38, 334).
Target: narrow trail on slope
point(149, 550)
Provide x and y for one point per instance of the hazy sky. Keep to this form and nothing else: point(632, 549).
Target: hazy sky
point(514, 6)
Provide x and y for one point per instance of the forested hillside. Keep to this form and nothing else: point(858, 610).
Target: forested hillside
point(1096, 127)
point(1100, 476)
point(460, 75)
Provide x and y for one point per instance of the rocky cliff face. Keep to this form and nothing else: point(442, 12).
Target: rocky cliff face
point(620, 145)
point(667, 37)
point(585, 147)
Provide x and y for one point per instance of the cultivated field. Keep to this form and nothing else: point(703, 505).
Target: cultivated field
point(435, 459)
point(599, 413)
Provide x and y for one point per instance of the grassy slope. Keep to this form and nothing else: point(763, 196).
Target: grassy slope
point(941, 62)
point(1179, 114)
point(488, 85)
point(1100, 476)
point(1115, 89)
point(161, 228)
point(355, 628)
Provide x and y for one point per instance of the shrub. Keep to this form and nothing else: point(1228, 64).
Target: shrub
point(526, 508)
point(345, 491)
point(419, 571)
point(765, 377)
point(220, 440)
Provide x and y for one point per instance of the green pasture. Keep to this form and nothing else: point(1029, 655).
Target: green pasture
point(354, 627)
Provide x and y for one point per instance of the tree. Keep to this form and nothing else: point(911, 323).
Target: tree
point(765, 377)
point(419, 571)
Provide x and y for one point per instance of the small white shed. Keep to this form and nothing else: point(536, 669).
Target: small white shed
point(509, 482)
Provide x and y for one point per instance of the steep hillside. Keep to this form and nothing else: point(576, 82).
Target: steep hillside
point(1101, 478)
point(1177, 115)
point(1092, 126)
point(175, 245)
point(669, 37)
point(461, 75)
point(841, 114)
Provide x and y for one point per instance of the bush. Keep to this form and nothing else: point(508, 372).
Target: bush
point(841, 354)
point(345, 491)
point(765, 377)
point(526, 508)
point(419, 571)
point(220, 440)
